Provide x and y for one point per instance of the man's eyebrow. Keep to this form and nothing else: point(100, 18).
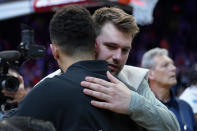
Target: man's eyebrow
point(112, 43)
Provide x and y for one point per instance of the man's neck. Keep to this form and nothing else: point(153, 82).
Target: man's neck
point(68, 61)
point(162, 93)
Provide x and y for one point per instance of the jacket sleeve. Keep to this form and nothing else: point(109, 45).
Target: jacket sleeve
point(149, 112)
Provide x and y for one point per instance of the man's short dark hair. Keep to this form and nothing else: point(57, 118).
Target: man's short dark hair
point(72, 28)
point(25, 124)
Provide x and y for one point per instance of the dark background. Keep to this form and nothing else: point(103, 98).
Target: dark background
point(174, 28)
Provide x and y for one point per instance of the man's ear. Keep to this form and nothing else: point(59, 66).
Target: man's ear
point(151, 75)
point(96, 43)
point(55, 51)
point(96, 48)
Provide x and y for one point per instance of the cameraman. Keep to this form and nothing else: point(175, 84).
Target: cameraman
point(13, 97)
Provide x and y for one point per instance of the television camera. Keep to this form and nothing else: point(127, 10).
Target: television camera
point(26, 50)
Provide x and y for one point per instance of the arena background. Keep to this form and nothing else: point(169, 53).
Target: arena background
point(173, 27)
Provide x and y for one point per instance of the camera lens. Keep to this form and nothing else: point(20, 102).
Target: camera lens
point(10, 83)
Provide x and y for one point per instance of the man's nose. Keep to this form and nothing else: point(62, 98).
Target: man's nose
point(117, 54)
point(173, 67)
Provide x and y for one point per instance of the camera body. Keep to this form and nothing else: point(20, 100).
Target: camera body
point(9, 82)
point(26, 50)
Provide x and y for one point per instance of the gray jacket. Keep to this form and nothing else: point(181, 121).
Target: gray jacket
point(145, 109)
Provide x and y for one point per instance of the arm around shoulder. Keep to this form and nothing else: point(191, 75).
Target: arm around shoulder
point(146, 110)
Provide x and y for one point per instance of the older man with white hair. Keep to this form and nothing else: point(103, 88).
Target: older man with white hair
point(162, 76)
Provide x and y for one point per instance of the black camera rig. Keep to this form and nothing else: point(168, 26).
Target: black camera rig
point(26, 50)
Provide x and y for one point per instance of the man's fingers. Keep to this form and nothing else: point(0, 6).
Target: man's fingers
point(11, 101)
point(103, 105)
point(7, 93)
point(112, 78)
point(94, 87)
point(95, 94)
point(99, 81)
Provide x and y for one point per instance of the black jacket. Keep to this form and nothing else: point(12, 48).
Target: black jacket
point(60, 100)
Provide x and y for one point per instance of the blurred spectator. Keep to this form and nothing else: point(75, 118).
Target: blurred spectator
point(19, 95)
point(10, 99)
point(162, 76)
point(190, 93)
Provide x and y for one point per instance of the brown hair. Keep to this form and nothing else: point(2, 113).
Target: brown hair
point(123, 21)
